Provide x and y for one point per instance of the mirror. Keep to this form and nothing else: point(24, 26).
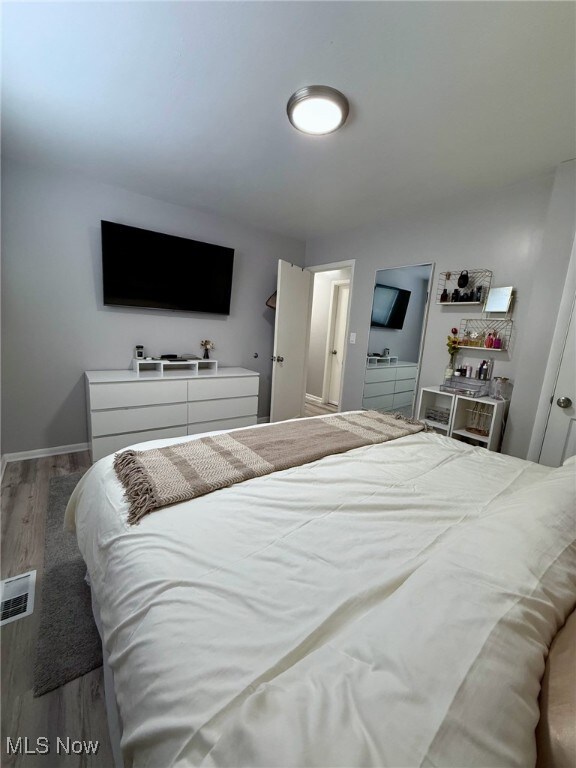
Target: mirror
point(399, 306)
point(499, 300)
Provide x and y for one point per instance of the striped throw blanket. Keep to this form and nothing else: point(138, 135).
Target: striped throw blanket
point(162, 476)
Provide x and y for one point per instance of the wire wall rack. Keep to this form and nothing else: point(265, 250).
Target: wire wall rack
point(473, 293)
point(477, 334)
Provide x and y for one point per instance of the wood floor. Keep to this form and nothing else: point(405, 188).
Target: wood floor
point(318, 409)
point(77, 709)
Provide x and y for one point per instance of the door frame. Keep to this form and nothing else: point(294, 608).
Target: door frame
point(554, 360)
point(332, 313)
point(348, 263)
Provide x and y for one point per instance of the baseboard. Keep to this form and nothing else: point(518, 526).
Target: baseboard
point(41, 452)
point(3, 463)
point(314, 399)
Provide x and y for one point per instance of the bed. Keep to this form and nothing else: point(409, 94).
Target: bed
point(388, 606)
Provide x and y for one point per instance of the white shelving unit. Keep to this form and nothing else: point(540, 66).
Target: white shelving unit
point(373, 361)
point(472, 419)
point(431, 400)
point(139, 365)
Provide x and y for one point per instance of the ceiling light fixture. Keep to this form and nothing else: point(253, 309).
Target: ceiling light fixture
point(317, 109)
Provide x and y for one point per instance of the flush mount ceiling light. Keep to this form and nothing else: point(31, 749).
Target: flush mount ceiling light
point(317, 109)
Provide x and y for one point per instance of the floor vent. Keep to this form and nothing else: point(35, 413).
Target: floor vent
point(17, 596)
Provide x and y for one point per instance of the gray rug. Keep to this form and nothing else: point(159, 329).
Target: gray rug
point(68, 641)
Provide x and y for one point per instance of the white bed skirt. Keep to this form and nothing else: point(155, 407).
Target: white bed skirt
point(112, 712)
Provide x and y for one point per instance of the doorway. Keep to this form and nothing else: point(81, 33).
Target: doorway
point(310, 339)
point(327, 341)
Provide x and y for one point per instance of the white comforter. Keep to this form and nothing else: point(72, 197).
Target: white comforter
point(390, 606)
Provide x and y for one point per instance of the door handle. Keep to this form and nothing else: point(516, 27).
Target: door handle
point(279, 359)
point(564, 402)
point(334, 352)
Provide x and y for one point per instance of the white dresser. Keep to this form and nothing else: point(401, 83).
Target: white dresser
point(389, 386)
point(126, 407)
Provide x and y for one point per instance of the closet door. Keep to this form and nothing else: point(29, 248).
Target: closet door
point(560, 437)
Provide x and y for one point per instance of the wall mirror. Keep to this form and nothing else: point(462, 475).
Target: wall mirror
point(499, 300)
point(398, 317)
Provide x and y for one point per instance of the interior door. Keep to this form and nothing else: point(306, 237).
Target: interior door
point(337, 342)
point(560, 436)
point(291, 331)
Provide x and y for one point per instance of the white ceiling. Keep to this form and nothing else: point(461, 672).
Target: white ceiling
point(185, 101)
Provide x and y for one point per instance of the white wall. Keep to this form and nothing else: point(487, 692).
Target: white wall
point(405, 342)
point(500, 230)
point(319, 323)
point(54, 323)
point(543, 299)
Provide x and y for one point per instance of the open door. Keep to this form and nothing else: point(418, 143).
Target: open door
point(560, 436)
point(294, 293)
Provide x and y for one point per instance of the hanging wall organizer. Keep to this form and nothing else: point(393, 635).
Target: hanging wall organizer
point(463, 287)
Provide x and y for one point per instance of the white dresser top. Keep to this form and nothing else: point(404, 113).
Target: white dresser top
point(399, 364)
point(106, 377)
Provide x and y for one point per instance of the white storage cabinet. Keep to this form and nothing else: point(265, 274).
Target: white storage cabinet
point(389, 387)
point(126, 407)
point(463, 412)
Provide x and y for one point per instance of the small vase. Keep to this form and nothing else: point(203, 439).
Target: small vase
point(206, 354)
point(449, 372)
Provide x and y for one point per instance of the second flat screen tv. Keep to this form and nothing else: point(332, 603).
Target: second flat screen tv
point(156, 271)
point(389, 307)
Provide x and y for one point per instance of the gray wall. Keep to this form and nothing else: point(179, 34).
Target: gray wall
point(319, 322)
point(54, 323)
point(500, 230)
point(545, 291)
point(405, 342)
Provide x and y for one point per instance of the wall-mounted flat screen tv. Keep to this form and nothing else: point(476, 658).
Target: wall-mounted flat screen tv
point(152, 270)
point(389, 307)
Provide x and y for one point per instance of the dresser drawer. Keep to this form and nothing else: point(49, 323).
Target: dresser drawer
point(378, 388)
point(382, 373)
point(212, 426)
point(406, 372)
point(132, 394)
point(381, 402)
point(405, 385)
point(213, 388)
point(403, 398)
point(217, 410)
point(102, 446)
point(134, 419)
